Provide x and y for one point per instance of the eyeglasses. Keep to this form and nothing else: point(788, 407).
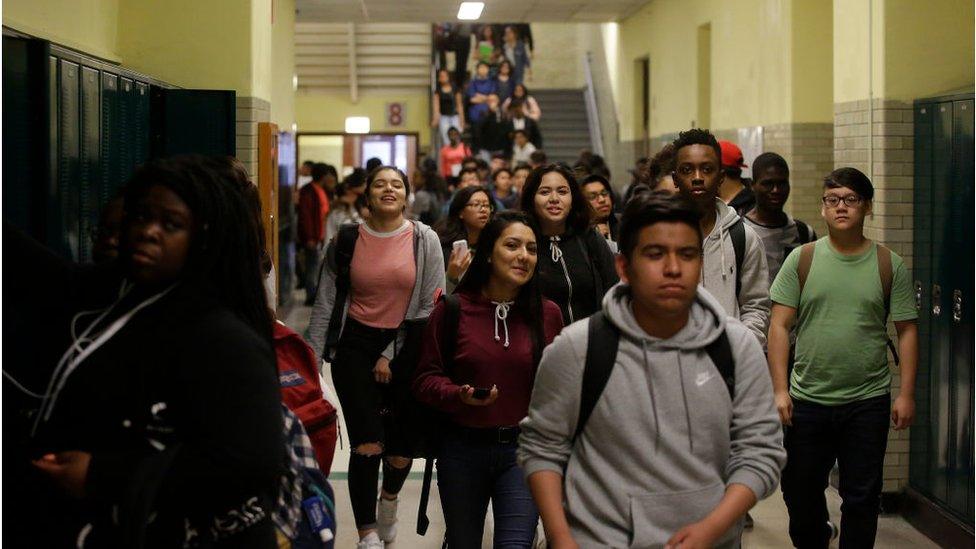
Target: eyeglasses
point(850, 200)
point(478, 205)
point(602, 194)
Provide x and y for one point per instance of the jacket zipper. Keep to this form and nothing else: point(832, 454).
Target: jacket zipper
point(569, 283)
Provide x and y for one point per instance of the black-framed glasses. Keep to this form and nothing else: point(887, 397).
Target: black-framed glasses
point(601, 194)
point(478, 205)
point(850, 200)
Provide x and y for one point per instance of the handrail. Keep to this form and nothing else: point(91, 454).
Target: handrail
point(592, 112)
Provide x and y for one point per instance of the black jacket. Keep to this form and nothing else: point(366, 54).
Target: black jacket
point(491, 133)
point(181, 412)
point(531, 129)
point(591, 272)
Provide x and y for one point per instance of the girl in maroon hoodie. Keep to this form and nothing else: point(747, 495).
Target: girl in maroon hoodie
point(503, 325)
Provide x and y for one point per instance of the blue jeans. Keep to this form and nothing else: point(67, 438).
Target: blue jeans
point(313, 260)
point(469, 474)
point(855, 435)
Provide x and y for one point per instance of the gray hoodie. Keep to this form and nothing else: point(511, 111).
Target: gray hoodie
point(718, 273)
point(430, 277)
point(664, 439)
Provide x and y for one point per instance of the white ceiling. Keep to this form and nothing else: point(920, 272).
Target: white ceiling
point(433, 11)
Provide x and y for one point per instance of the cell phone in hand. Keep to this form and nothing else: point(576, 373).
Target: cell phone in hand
point(461, 245)
point(481, 393)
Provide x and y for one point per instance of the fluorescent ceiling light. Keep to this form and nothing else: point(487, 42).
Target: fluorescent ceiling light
point(357, 124)
point(470, 11)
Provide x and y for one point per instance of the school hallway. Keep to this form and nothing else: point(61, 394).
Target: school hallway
point(770, 516)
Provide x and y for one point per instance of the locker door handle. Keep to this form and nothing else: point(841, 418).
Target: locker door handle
point(936, 300)
point(957, 305)
point(918, 295)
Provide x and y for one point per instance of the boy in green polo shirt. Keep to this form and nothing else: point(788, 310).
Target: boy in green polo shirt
point(836, 403)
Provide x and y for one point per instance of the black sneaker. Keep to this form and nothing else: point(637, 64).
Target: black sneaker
point(749, 523)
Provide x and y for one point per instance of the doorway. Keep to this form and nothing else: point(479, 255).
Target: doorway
point(348, 151)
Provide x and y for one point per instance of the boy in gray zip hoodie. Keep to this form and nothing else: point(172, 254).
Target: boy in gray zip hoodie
point(666, 456)
point(698, 176)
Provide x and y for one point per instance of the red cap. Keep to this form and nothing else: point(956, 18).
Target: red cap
point(731, 155)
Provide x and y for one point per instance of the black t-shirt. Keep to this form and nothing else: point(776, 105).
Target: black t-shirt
point(447, 101)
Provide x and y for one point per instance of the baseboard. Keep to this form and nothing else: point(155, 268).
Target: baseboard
point(937, 524)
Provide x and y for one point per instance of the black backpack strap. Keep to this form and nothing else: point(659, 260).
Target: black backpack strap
point(344, 247)
point(601, 355)
point(720, 351)
point(583, 241)
point(803, 231)
point(448, 345)
point(738, 233)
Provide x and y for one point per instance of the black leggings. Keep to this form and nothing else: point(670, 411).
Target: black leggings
point(364, 406)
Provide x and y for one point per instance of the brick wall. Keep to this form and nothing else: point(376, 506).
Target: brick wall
point(250, 111)
point(891, 134)
point(809, 151)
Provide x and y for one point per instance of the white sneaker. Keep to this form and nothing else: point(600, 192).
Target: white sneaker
point(386, 519)
point(372, 541)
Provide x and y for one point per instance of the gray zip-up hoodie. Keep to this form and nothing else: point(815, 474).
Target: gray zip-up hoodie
point(664, 439)
point(430, 277)
point(718, 273)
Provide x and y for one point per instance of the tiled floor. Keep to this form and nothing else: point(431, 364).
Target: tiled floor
point(770, 515)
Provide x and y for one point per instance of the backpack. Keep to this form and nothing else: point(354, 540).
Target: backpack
point(601, 356)
point(448, 346)
point(301, 392)
point(738, 234)
point(884, 270)
point(305, 512)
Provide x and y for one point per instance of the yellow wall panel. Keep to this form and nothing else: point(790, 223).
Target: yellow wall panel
point(328, 112)
point(90, 26)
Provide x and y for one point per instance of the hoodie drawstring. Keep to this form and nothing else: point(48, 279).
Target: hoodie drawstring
point(554, 249)
point(650, 391)
point(501, 313)
point(684, 398)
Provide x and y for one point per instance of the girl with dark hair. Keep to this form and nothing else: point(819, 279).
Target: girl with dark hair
point(484, 387)
point(161, 424)
point(431, 193)
point(599, 194)
point(448, 106)
point(578, 266)
point(388, 281)
point(515, 51)
point(504, 80)
point(344, 206)
point(501, 188)
point(470, 210)
point(530, 107)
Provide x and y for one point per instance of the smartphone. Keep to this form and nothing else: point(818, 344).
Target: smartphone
point(461, 245)
point(481, 393)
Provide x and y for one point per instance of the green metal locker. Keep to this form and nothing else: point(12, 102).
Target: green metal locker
point(90, 180)
point(68, 206)
point(941, 466)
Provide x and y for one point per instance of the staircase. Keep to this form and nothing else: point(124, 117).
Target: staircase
point(564, 124)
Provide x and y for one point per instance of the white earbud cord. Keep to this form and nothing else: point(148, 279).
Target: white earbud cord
point(75, 355)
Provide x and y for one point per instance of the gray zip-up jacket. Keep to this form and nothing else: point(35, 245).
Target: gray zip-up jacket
point(664, 440)
point(430, 278)
point(718, 273)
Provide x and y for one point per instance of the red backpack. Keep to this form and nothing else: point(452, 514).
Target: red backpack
point(301, 392)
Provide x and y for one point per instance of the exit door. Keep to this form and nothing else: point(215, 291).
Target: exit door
point(941, 465)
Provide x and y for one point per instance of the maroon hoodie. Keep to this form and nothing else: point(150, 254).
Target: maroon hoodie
point(481, 360)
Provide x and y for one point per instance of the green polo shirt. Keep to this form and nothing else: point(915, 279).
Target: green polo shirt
point(841, 340)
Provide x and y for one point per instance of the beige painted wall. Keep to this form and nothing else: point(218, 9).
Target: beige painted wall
point(327, 113)
point(90, 26)
point(283, 65)
point(557, 61)
point(261, 47)
point(752, 62)
point(189, 43)
point(321, 148)
point(919, 48)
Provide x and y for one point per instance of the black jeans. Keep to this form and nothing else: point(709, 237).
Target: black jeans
point(853, 434)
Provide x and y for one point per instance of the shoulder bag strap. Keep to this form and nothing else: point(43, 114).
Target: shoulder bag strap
point(601, 355)
point(720, 351)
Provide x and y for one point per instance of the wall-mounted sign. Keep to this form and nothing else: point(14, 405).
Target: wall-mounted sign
point(395, 115)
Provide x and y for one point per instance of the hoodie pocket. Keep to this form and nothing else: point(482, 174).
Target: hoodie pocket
point(655, 518)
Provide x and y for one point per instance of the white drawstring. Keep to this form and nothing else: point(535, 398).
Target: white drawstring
point(501, 313)
point(557, 253)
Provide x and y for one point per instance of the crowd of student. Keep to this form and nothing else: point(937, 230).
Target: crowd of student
point(634, 371)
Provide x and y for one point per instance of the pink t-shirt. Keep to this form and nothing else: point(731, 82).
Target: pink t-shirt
point(382, 274)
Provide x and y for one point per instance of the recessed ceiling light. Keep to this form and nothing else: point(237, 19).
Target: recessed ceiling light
point(470, 11)
point(357, 124)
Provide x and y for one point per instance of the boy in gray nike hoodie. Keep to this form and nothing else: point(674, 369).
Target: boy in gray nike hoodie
point(666, 456)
